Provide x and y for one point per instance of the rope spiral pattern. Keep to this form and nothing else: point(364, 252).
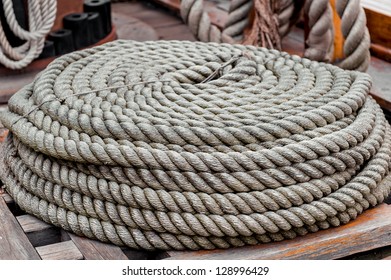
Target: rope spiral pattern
point(127, 143)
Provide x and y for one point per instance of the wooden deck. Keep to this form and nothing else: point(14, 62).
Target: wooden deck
point(23, 236)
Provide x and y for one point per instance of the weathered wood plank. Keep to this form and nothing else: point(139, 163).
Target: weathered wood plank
point(369, 231)
point(31, 224)
point(381, 86)
point(378, 14)
point(14, 243)
point(7, 198)
point(95, 250)
point(176, 32)
point(217, 15)
point(60, 251)
point(38, 232)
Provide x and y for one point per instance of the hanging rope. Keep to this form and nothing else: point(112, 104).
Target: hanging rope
point(264, 31)
point(320, 37)
point(270, 15)
point(355, 34)
point(41, 16)
point(187, 145)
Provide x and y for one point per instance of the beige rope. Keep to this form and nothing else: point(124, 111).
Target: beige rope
point(189, 145)
point(319, 18)
point(42, 14)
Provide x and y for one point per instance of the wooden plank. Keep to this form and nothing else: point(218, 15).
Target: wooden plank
point(96, 250)
point(31, 224)
point(157, 18)
point(369, 231)
point(381, 52)
point(60, 251)
point(378, 15)
point(38, 232)
point(7, 198)
point(176, 32)
point(14, 243)
point(217, 15)
point(380, 6)
point(381, 87)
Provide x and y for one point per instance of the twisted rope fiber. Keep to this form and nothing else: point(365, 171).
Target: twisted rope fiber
point(189, 145)
point(319, 42)
point(42, 14)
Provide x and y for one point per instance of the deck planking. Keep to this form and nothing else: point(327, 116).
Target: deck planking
point(14, 243)
point(96, 250)
point(30, 238)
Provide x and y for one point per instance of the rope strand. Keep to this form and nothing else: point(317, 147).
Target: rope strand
point(189, 145)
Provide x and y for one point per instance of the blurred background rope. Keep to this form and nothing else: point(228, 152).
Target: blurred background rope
point(41, 16)
point(261, 19)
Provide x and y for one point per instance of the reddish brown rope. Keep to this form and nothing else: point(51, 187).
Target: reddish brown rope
point(264, 30)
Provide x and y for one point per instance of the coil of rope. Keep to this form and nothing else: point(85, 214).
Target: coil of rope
point(273, 20)
point(190, 145)
point(41, 16)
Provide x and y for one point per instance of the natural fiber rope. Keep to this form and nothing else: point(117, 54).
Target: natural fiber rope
point(319, 19)
point(188, 145)
point(42, 14)
point(320, 38)
point(356, 34)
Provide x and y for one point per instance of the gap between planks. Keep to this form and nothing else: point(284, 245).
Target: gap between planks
point(14, 243)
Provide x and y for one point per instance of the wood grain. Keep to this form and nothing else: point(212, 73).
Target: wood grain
point(14, 243)
point(60, 251)
point(95, 250)
point(38, 232)
point(7, 198)
point(370, 230)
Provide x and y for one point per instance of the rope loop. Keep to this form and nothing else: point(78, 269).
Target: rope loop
point(337, 31)
point(41, 17)
point(177, 145)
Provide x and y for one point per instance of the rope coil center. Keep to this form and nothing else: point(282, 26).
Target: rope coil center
point(186, 145)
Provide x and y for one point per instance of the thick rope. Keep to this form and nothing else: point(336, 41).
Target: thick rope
point(193, 13)
point(41, 15)
point(356, 34)
point(238, 18)
point(320, 37)
point(319, 41)
point(189, 145)
point(265, 28)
